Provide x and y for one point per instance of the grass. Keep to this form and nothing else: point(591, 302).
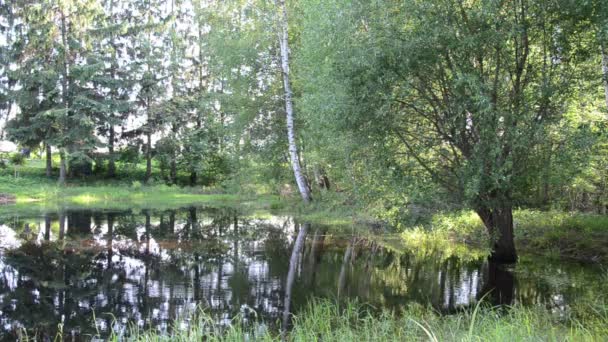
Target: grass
point(556, 234)
point(578, 236)
point(35, 193)
point(329, 321)
point(32, 186)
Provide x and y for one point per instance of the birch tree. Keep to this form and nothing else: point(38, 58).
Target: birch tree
point(291, 134)
point(604, 52)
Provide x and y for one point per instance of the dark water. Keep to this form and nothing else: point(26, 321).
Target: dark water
point(94, 272)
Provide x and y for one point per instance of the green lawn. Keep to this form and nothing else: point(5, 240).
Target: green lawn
point(36, 193)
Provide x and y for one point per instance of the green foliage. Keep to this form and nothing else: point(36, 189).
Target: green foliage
point(17, 159)
point(431, 89)
point(408, 108)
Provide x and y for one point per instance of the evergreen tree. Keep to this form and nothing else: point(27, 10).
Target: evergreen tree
point(113, 83)
point(148, 54)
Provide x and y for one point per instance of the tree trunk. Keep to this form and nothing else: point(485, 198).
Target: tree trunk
point(193, 178)
point(344, 268)
point(64, 93)
point(49, 160)
point(110, 237)
point(193, 221)
point(291, 135)
point(111, 163)
point(500, 283)
point(173, 164)
point(61, 225)
point(62, 167)
point(148, 226)
point(235, 247)
point(47, 227)
point(291, 275)
point(173, 170)
point(148, 157)
point(315, 256)
point(321, 177)
point(499, 223)
point(605, 69)
point(172, 222)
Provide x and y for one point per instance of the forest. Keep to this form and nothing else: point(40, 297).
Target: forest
point(458, 136)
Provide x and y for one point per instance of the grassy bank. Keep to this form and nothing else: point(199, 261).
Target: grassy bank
point(327, 321)
point(31, 185)
point(556, 234)
point(34, 193)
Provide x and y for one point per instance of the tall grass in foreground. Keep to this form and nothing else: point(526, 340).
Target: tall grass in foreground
point(327, 321)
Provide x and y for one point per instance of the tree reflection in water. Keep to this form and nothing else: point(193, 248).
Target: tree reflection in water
point(294, 263)
point(147, 268)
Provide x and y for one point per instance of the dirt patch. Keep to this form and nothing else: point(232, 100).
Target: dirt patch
point(6, 199)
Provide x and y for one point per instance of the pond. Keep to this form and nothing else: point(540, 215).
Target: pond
point(93, 272)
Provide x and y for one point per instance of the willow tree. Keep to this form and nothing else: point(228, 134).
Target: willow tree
point(601, 22)
point(463, 89)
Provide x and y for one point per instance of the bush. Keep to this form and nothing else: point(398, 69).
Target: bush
point(17, 159)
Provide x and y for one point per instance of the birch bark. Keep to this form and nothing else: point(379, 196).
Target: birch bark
point(291, 135)
point(605, 69)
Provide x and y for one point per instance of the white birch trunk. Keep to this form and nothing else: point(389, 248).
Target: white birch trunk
point(298, 245)
point(291, 135)
point(605, 69)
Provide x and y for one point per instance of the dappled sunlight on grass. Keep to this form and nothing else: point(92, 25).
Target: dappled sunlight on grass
point(557, 234)
point(85, 199)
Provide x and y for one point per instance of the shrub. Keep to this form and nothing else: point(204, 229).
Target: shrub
point(17, 159)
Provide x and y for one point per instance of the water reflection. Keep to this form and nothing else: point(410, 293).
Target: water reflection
point(294, 263)
point(97, 271)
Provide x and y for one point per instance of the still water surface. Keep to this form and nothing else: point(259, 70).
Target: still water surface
point(98, 271)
